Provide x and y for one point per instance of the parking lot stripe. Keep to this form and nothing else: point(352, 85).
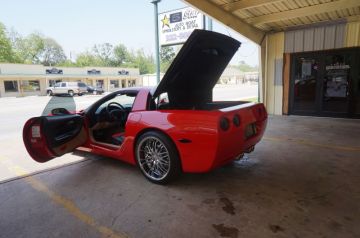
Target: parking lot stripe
point(311, 143)
point(64, 202)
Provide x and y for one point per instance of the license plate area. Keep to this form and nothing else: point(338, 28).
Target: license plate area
point(250, 130)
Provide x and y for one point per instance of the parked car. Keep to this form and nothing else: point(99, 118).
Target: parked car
point(94, 90)
point(67, 88)
point(185, 131)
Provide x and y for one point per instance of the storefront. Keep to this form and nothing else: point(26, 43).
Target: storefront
point(325, 83)
point(28, 80)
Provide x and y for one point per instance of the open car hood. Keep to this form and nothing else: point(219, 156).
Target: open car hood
point(196, 68)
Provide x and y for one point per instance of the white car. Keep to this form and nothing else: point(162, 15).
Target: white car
point(68, 88)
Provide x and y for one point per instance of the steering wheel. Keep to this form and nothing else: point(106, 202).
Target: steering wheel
point(113, 113)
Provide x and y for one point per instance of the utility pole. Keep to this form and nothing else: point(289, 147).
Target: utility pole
point(157, 51)
point(209, 24)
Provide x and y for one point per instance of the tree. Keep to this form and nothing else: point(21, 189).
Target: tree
point(30, 49)
point(167, 55)
point(52, 53)
point(15, 38)
point(87, 59)
point(104, 53)
point(122, 55)
point(6, 51)
point(244, 67)
point(144, 62)
point(67, 63)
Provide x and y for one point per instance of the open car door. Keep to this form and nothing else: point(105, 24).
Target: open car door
point(47, 137)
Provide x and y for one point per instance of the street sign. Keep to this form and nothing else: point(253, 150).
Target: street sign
point(177, 25)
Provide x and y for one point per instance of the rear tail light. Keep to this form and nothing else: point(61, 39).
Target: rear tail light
point(260, 113)
point(224, 124)
point(236, 120)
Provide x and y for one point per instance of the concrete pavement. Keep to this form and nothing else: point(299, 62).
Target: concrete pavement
point(302, 180)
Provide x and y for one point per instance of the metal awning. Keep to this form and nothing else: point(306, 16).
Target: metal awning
point(254, 18)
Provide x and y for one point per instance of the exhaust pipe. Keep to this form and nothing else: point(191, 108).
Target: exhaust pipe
point(239, 157)
point(250, 149)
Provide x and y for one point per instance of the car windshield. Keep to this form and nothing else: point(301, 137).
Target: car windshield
point(125, 100)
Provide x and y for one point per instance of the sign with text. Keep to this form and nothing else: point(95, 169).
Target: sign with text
point(176, 26)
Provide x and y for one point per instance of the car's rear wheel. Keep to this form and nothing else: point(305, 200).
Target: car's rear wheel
point(49, 93)
point(157, 157)
point(71, 93)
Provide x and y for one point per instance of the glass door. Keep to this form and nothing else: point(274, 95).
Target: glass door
point(305, 83)
point(326, 83)
point(336, 83)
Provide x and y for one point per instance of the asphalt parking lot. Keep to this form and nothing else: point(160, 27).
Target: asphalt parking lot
point(302, 180)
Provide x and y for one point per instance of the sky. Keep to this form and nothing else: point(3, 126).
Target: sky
point(77, 25)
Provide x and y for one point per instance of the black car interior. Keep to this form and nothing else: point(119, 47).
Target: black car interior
point(108, 117)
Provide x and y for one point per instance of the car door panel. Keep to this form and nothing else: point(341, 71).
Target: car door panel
point(48, 137)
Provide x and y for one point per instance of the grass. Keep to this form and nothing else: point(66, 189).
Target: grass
point(255, 99)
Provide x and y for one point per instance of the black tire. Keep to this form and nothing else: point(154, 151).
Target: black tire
point(71, 93)
point(174, 165)
point(80, 94)
point(49, 93)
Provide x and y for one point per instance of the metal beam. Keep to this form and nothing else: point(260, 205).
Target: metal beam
point(228, 19)
point(305, 11)
point(245, 4)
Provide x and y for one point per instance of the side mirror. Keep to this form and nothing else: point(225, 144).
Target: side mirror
point(59, 111)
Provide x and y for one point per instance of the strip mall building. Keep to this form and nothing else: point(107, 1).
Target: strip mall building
point(25, 80)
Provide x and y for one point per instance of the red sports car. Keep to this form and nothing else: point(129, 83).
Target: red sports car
point(174, 128)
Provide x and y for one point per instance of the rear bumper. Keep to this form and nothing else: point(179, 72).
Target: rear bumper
point(236, 143)
point(221, 149)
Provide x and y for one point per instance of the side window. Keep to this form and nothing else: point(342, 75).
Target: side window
point(63, 84)
point(57, 85)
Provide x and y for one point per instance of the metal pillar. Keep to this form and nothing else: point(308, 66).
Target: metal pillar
point(157, 51)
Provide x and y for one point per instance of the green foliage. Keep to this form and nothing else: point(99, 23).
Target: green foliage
point(38, 49)
point(6, 52)
point(246, 68)
point(30, 48)
point(67, 63)
point(121, 55)
point(144, 62)
point(52, 53)
point(167, 55)
point(104, 54)
point(87, 59)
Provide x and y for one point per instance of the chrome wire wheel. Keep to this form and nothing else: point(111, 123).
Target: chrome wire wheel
point(153, 158)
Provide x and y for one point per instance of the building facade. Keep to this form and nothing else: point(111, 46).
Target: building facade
point(309, 51)
point(314, 70)
point(26, 80)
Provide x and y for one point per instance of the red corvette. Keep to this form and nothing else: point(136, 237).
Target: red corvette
point(175, 128)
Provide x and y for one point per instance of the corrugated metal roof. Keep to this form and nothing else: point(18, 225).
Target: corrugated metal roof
point(279, 15)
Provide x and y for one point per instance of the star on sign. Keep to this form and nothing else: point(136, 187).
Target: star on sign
point(165, 22)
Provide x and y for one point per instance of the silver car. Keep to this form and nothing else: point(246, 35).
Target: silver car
point(67, 88)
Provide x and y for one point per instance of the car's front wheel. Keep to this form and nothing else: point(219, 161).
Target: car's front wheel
point(157, 157)
point(49, 93)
